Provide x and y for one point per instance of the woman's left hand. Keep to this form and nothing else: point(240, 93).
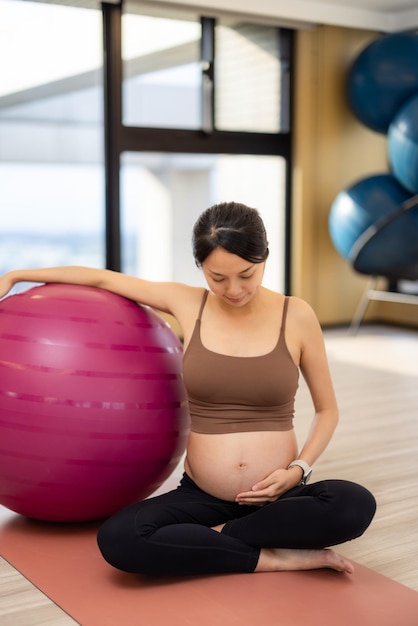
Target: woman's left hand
point(270, 488)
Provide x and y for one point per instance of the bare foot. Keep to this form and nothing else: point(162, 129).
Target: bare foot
point(281, 559)
point(289, 560)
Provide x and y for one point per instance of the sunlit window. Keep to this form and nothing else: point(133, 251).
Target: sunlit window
point(51, 135)
point(52, 181)
point(247, 77)
point(163, 194)
point(162, 73)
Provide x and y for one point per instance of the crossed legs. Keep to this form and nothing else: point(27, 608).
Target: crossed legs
point(188, 532)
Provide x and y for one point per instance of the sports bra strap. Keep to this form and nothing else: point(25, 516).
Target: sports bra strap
point(286, 303)
point(205, 297)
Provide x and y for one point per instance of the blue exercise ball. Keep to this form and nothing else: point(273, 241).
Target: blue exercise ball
point(382, 78)
point(403, 145)
point(358, 210)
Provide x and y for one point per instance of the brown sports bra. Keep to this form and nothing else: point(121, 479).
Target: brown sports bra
point(229, 394)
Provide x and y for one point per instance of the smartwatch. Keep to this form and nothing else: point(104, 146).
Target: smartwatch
point(307, 471)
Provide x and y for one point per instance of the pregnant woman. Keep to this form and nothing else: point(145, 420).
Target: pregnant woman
point(244, 503)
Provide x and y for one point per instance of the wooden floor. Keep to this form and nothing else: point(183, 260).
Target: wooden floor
point(376, 380)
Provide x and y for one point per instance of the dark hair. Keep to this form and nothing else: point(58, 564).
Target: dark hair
point(235, 227)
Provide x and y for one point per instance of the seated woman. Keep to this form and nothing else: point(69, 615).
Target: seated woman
point(244, 503)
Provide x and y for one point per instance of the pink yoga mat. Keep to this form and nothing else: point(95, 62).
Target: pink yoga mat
point(63, 561)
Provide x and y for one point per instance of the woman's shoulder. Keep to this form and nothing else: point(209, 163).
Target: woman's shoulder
point(302, 314)
point(185, 299)
point(297, 307)
point(186, 303)
point(188, 293)
point(300, 305)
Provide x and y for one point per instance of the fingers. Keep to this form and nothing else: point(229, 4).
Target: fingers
point(267, 490)
point(256, 497)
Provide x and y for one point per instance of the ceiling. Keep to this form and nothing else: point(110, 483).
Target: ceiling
point(379, 15)
point(385, 15)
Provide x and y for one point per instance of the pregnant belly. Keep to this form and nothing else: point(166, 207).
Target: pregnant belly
point(225, 465)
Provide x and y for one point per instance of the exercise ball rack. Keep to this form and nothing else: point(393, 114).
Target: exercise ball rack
point(406, 273)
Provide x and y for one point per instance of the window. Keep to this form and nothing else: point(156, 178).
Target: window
point(227, 79)
point(163, 194)
point(161, 65)
point(193, 111)
point(248, 73)
point(51, 127)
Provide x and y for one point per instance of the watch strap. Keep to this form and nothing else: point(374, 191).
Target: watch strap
point(307, 470)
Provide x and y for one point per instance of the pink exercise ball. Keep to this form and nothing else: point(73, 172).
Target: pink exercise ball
point(93, 410)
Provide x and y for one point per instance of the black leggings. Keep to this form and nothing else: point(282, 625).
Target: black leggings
point(171, 534)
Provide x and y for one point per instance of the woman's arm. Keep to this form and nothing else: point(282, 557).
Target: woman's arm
point(315, 369)
point(162, 296)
